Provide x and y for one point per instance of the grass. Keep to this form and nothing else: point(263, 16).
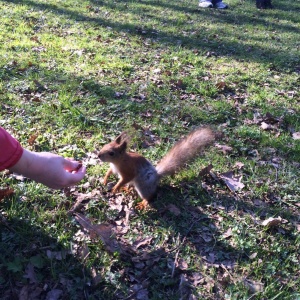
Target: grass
point(77, 73)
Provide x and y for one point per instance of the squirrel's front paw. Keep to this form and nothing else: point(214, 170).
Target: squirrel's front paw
point(142, 205)
point(127, 189)
point(104, 181)
point(115, 190)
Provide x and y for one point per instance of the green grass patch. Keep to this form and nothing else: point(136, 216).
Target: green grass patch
point(77, 73)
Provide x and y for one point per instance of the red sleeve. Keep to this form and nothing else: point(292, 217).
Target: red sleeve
point(10, 150)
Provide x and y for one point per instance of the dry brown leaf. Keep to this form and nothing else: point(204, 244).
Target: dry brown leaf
point(271, 119)
point(32, 291)
point(224, 148)
point(141, 242)
point(253, 255)
point(198, 279)
point(207, 237)
point(271, 222)
point(96, 278)
point(205, 171)
point(253, 286)
point(32, 139)
point(105, 232)
point(233, 182)
point(140, 292)
point(266, 126)
point(182, 264)
point(30, 273)
point(54, 294)
point(5, 192)
point(238, 165)
point(221, 85)
point(227, 234)
point(81, 198)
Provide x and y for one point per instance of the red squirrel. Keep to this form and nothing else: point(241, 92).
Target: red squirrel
point(136, 170)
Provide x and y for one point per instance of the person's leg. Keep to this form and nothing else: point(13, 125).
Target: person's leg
point(205, 3)
point(219, 4)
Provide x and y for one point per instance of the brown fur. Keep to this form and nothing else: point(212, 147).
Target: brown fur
point(134, 169)
point(184, 151)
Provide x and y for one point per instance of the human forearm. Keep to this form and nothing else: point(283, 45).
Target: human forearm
point(49, 169)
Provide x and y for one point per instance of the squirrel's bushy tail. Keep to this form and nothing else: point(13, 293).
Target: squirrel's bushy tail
point(185, 150)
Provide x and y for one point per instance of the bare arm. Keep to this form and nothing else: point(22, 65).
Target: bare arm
point(49, 169)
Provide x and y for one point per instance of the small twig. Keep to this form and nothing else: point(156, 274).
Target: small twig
point(231, 277)
point(174, 264)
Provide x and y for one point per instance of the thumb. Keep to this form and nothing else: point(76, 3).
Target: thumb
point(72, 165)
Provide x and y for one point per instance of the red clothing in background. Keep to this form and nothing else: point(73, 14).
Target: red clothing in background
point(10, 150)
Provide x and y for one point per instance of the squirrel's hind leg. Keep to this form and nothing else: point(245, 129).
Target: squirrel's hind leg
point(146, 191)
point(142, 205)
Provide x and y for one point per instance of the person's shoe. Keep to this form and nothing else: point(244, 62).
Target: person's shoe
point(221, 5)
point(205, 4)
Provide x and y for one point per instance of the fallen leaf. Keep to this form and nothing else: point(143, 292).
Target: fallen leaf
point(238, 165)
point(253, 286)
point(270, 119)
point(271, 222)
point(140, 293)
point(6, 192)
point(32, 139)
point(205, 171)
point(291, 94)
point(253, 255)
point(96, 278)
point(296, 135)
point(221, 85)
point(142, 242)
point(233, 182)
point(266, 126)
point(30, 273)
point(54, 294)
point(224, 148)
point(207, 237)
point(227, 234)
point(105, 232)
point(81, 199)
point(182, 264)
point(29, 292)
point(24, 293)
point(197, 278)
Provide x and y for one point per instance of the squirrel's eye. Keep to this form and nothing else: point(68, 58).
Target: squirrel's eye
point(111, 153)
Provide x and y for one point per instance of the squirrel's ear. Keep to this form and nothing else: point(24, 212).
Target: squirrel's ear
point(122, 147)
point(122, 137)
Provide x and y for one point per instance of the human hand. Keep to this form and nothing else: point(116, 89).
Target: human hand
point(49, 169)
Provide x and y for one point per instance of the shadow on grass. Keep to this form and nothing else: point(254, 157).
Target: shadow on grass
point(221, 253)
point(207, 241)
point(231, 45)
point(35, 265)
